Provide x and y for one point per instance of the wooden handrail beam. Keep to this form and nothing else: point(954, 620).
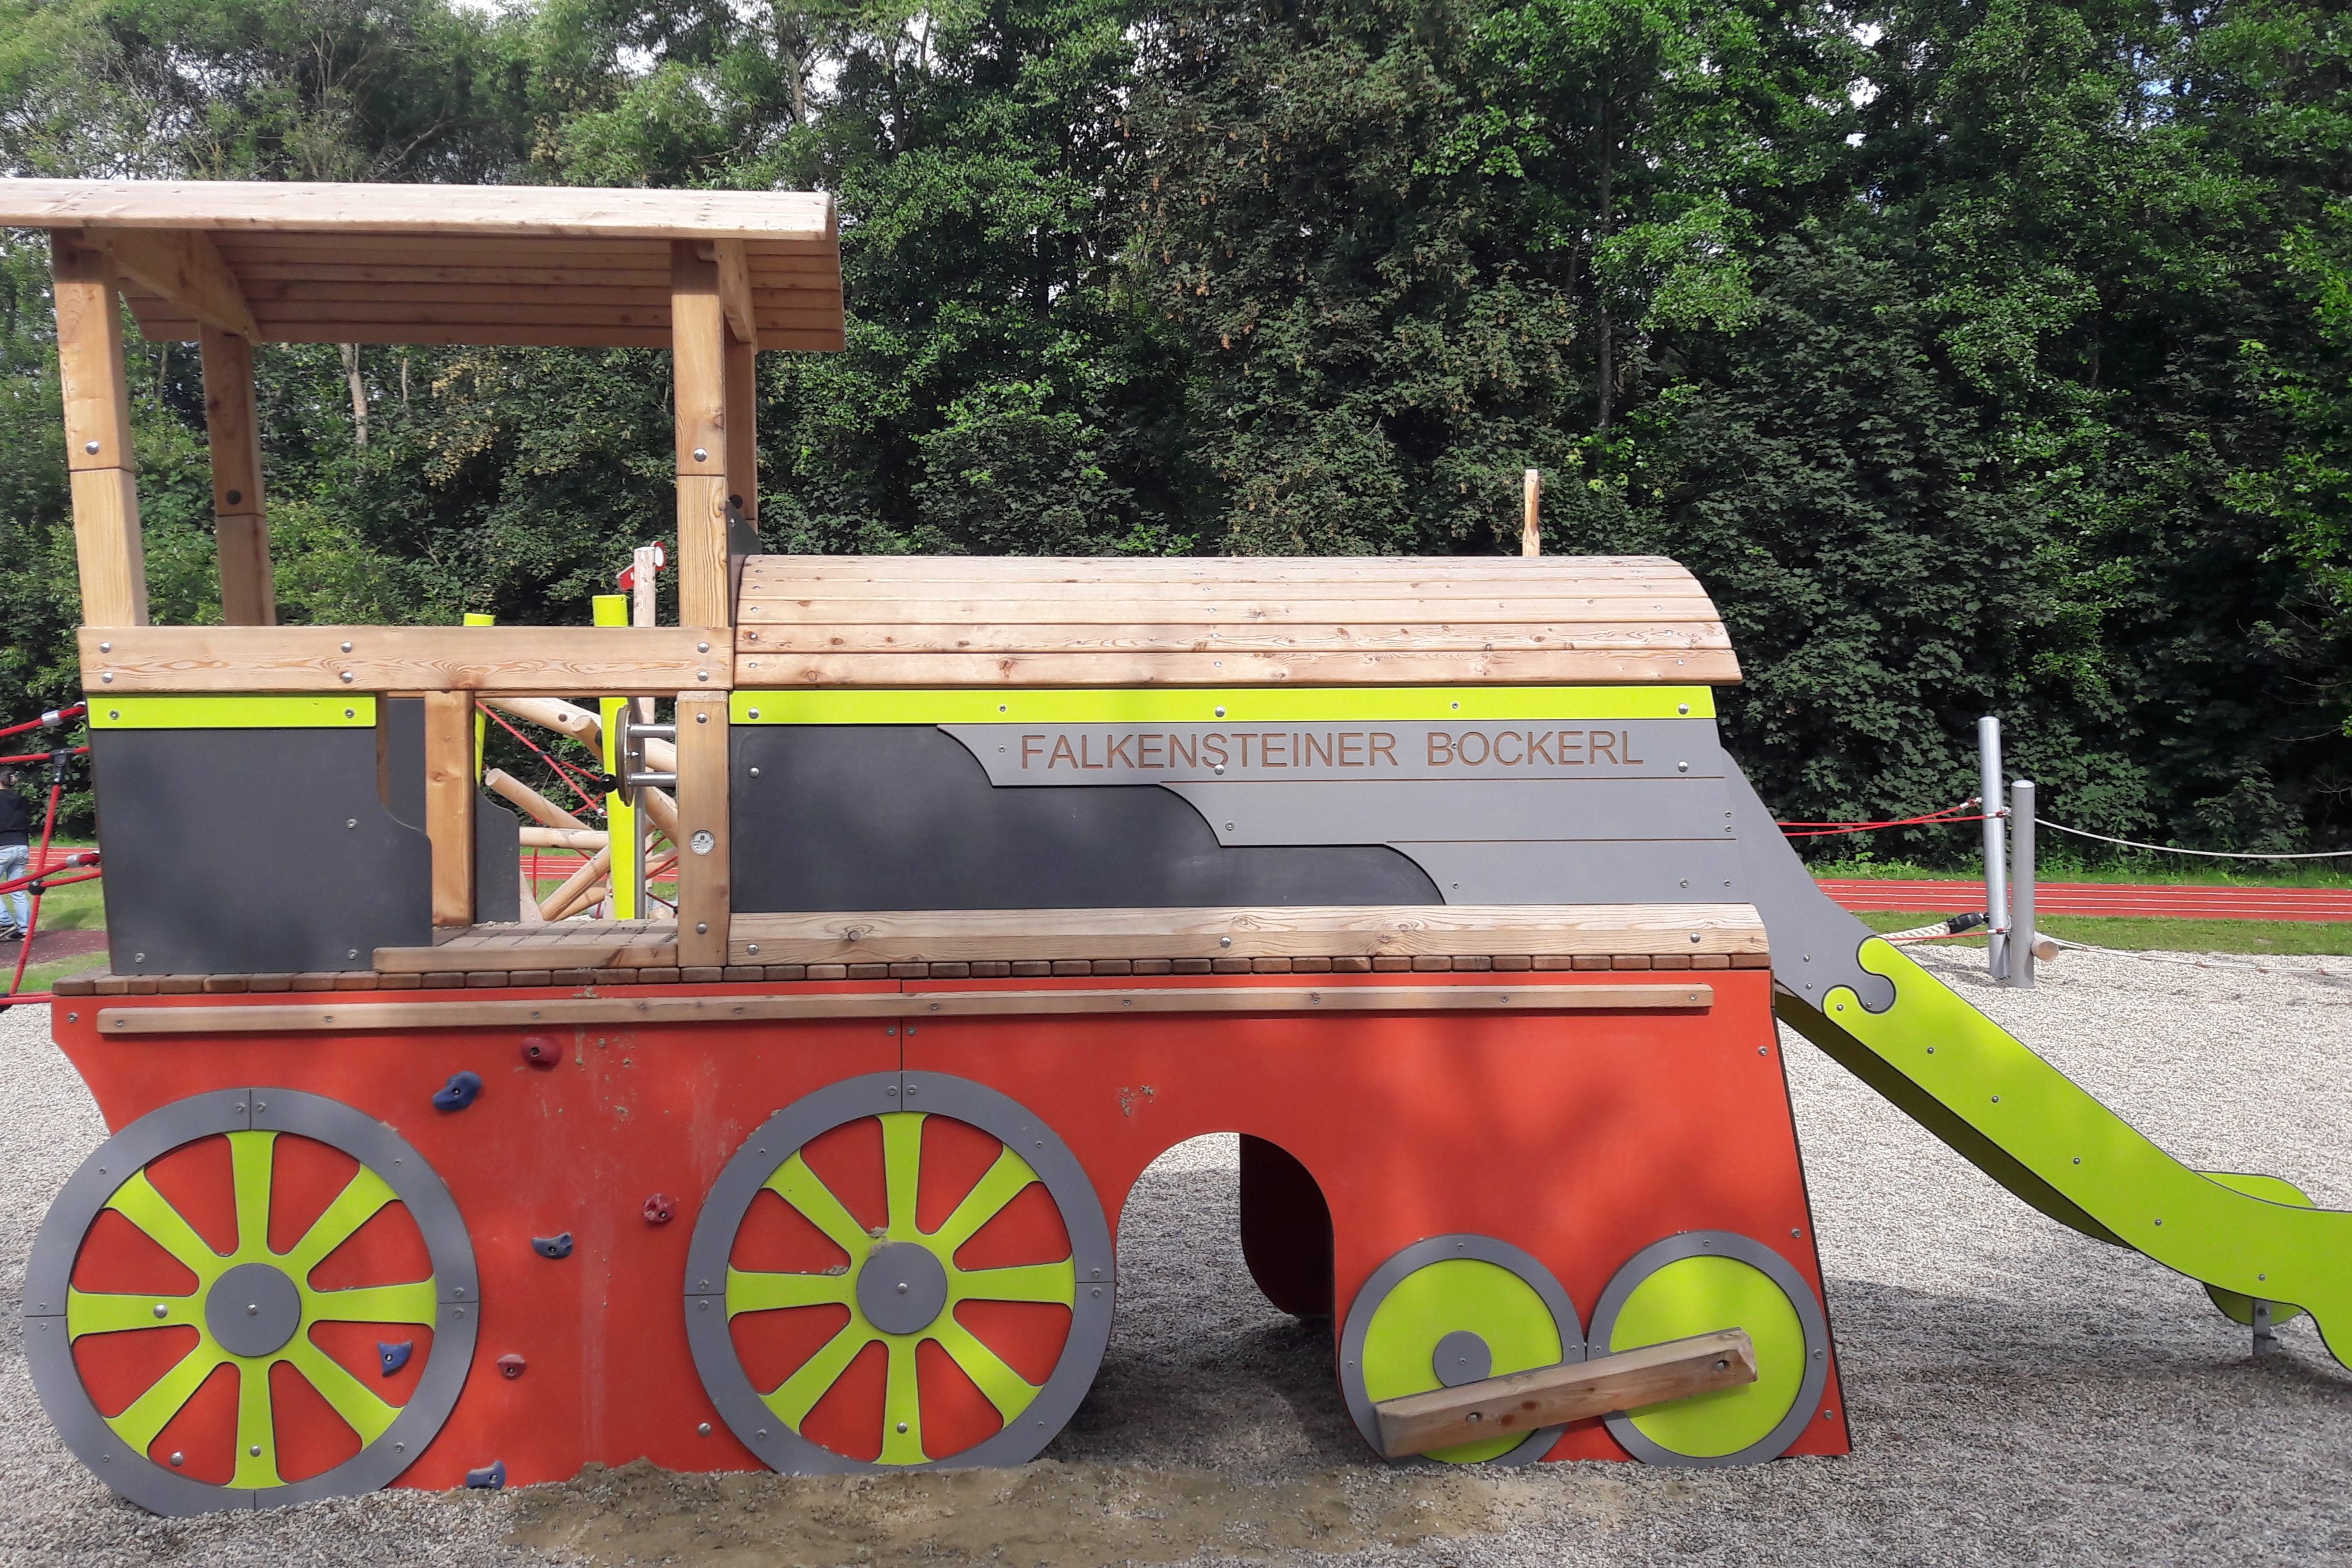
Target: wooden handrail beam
point(1571, 1390)
point(524, 660)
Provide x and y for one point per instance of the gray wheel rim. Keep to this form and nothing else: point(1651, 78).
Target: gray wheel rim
point(999, 1116)
point(49, 1352)
point(1782, 1273)
point(1420, 1255)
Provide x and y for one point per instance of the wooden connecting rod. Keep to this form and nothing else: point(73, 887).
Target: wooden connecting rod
point(1531, 514)
point(1571, 1390)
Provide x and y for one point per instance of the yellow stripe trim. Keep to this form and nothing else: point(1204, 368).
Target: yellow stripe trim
point(1247, 705)
point(356, 712)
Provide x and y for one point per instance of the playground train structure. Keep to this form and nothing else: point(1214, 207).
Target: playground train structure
point(994, 879)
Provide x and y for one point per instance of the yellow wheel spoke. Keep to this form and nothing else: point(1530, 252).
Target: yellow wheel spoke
point(902, 1168)
point(748, 1291)
point(902, 1407)
point(1006, 1389)
point(256, 1427)
point(249, 1167)
point(1005, 1180)
point(800, 1186)
point(1057, 1282)
point(361, 1199)
point(138, 1201)
point(345, 1395)
point(106, 1313)
point(413, 1302)
point(153, 1411)
point(793, 1398)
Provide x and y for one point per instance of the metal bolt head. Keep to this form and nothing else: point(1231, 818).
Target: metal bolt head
point(703, 842)
point(702, 647)
point(902, 1426)
point(701, 456)
point(107, 679)
point(702, 1430)
point(178, 1458)
point(255, 1450)
point(90, 447)
point(161, 1311)
point(754, 947)
point(701, 928)
point(348, 677)
point(107, 647)
point(347, 648)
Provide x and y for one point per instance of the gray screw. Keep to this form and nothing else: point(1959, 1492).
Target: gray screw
point(90, 447)
point(701, 456)
point(178, 1458)
point(348, 677)
point(347, 648)
point(161, 1309)
point(703, 1430)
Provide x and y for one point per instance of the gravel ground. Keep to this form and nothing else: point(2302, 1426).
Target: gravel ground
point(2016, 1394)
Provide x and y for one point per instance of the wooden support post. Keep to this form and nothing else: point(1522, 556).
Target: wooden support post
point(449, 804)
point(698, 362)
point(98, 436)
point(704, 891)
point(1531, 514)
point(240, 522)
point(1572, 1391)
point(742, 420)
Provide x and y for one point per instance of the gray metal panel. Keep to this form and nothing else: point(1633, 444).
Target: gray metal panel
point(242, 851)
point(1816, 945)
point(1098, 754)
point(901, 818)
point(497, 860)
point(1624, 871)
point(1507, 810)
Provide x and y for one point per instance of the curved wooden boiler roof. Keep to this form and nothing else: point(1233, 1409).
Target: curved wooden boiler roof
point(917, 621)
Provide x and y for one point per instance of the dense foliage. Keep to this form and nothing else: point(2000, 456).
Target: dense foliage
point(1980, 355)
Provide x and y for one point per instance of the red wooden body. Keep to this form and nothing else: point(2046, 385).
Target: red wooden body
point(1579, 1137)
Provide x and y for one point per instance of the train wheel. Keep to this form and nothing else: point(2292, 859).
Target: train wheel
point(1696, 1283)
point(899, 1270)
point(251, 1298)
point(1450, 1311)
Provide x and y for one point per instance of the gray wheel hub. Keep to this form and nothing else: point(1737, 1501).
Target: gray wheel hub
point(253, 1310)
point(902, 1289)
point(1462, 1357)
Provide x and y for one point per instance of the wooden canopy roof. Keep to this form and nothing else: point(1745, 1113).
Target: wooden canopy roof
point(447, 264)
point(913, 621)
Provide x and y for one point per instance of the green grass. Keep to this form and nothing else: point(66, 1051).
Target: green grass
point(2164, 871)
point(2159, 935)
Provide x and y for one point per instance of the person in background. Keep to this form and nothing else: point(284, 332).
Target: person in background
point(15, 854)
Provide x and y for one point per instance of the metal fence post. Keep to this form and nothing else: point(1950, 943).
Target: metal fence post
point(1996, 852)
point(2021, 884)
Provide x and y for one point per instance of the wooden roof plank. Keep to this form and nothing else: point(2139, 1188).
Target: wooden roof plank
point(1698, 667)
point(541, 211)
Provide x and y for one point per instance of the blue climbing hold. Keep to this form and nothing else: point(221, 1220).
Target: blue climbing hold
point(393, 1357)
point(459, 1092)
point(490, 1478)
point(552, 1246)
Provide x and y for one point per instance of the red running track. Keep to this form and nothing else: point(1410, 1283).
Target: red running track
point(2202, 904)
